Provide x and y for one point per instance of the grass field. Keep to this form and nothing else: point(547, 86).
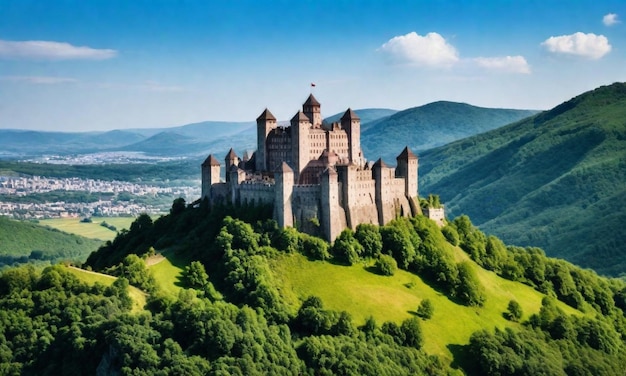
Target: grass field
point(362, 293)
point(91, 230)
point(138, 296)
point(167, 271)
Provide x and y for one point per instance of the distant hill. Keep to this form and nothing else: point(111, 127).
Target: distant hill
point(556, 180)
point(431, 125)
point(367, 115)
point(22, 242)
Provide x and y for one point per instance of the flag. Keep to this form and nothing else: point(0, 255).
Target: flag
point(312, 84)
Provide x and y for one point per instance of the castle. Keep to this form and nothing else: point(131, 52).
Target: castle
point(315, 175)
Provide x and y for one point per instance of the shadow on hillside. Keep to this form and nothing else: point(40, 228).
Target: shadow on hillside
point(177, 258)
point(461, 359)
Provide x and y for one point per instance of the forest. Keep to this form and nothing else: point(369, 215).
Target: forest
point(231, 317)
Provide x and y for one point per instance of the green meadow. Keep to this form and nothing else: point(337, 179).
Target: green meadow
point(92, 230)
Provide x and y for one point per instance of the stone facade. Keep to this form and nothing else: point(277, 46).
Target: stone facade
point(315, 175)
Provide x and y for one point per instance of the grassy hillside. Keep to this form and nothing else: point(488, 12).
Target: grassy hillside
point(362, 293)
point(431, 125)
point(556, 180)
point(28, 242)
point(92, 230)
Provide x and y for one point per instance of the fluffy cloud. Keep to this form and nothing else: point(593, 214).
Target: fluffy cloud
point(39, 80)
point(610, 19)
point(430, 50)
point(508, 64)
point(589, 46)
point(47, 50)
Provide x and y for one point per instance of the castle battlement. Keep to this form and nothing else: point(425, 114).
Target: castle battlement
point(308, 169)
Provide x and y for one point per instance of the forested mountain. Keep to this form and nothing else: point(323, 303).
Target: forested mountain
point(235, 299)
point(23, 242)
point(556, 180)
point(429, 126)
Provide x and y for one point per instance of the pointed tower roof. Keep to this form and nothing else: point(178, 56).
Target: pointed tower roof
point(406, 154)
point(350, 115)
point(311, 101)
point(284, 168)
point(211, 161)
point(380, 163)
point(300, 116)
point(266, 115)
point(231, 154)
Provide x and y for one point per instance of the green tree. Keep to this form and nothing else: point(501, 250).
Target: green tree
point(469, 290)
point(425, 309)
point(346, 248)
point(386, 265)
point(412, 330)
point(369, 237)
point(514, 311)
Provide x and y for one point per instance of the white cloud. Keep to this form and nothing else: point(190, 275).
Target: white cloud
point(610, 19)
point(430, 50)
point(39, 80)
point(508, 64)
point(589, 46)
point(47, 50)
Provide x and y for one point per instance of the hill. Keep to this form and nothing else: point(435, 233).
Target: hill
point(236, 298)
point(23, 242)
point(556, 180)
point(434, 124)
point(366, 115)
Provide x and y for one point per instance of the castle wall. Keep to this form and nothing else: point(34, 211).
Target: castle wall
point(279, 148)
point(256, 192)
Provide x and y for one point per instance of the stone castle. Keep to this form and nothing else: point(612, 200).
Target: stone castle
point(315, 175)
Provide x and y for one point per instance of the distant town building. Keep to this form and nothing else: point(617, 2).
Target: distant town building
point(315, 175)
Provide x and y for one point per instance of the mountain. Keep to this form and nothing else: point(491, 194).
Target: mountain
point(431, 125)
point(367, 115)
point(556, 180)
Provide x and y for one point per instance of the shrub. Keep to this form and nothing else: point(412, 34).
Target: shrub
point(386, 265)
point(514, 311)
point(426, 309)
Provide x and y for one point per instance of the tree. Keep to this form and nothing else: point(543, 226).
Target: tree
point(469, 290)
point(412, 331)
point(386, 265)
point(178, 206)
point(369, 237)
point(346, 248)
point(514, 311)
point(195, 275)
point(426, 309)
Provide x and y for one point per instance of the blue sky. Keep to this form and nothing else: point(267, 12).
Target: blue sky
point(115, 64)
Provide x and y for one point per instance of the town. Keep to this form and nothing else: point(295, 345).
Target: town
point(117, 197)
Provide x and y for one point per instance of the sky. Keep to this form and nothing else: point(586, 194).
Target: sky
point(119, 64)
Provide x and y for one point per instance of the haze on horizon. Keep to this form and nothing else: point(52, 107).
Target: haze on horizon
point(101, 65)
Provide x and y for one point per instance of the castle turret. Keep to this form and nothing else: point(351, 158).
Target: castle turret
point(300, 125)
point(264, 124)
point(231, 160)
point(312, 109)
point(332, 214)
point(210, 175)
point(347, 176)
point(383, 198)
point(351, 123)
point(283, 191)
point(407, 169)
point(235, 177)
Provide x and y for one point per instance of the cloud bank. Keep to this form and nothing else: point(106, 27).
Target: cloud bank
point(588, 46)
point(48, 50)
point(610, 19)
point(430, 50)
point(507, 64)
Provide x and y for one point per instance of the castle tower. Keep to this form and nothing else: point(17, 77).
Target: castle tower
point(351, 123)
point(231, 160)
point(210, 175)
point(283, 177)
point(349, 197)
point(382, 181)
point(330, 210)
point(264, 124)
point(300, 125)
point(312, 109)
point(236, 177)
point(407, 168)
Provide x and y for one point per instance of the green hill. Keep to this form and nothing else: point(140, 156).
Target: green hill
point(434, 124)
point(22, 242)
point(556, 180)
